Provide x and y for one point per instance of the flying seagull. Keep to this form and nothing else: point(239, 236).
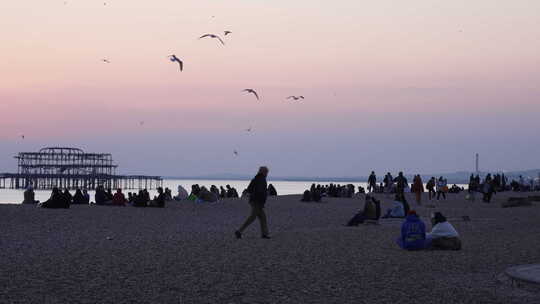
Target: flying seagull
point(251, 91)
point(22, 136)
point(105, 60)
point(248, 129)
point(235, 153)
point(227, 33)
point(173, 58)
point(296, 97)
point(212, 36)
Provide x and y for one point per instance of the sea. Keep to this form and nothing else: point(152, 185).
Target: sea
point(12, 196)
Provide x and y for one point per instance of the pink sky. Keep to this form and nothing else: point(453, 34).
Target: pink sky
point(365, 67)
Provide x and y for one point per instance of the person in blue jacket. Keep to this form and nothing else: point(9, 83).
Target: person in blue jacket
point(413, 233)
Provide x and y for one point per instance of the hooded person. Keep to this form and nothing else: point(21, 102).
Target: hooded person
point(413, 233)
point(182, 194)
point(443, 235)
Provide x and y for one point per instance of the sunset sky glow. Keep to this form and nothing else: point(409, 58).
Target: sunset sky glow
point(390, 85)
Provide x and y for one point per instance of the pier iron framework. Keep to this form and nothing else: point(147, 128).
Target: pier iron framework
point(72, 168)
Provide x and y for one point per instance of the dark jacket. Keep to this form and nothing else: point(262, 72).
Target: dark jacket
point(257, 189)
point(57, 200)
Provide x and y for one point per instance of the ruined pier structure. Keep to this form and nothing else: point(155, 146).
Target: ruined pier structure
point(72, 168)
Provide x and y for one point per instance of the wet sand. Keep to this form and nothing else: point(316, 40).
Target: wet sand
point(187, 253)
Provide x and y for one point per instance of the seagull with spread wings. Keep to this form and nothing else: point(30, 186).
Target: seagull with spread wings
point(212, 36)
point(105, 60)
point(296, 97)
point(173, 58)
point(235, 153)
point(227, 33)
point(252, 91)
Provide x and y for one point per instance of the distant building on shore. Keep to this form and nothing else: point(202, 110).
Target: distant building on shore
point(71, 168)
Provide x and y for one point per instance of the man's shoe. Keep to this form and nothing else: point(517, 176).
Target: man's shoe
point(265, 237)
point(238, 234)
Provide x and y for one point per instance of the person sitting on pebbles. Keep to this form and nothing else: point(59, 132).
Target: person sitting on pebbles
point(371, 211)
point(413, 233)
point(29, 195)
point(206, 196)
point(57, 200)
point(306, 197)
point(443, 235)
point(397, 210)
point(159, 200)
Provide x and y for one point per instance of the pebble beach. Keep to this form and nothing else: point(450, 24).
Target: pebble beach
point(187, 253)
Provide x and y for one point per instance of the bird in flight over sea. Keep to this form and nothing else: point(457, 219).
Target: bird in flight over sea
point(227, 33)
point(212, 36)
point(248, 129)
point(173, 58)
point(22, 136)
point(235, 153)
point(105, 60)
point(252, 91)
point(296, 97)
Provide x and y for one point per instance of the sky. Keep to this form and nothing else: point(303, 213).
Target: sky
point(419, 86)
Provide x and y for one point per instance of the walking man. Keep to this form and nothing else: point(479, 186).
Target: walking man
point(257, 198)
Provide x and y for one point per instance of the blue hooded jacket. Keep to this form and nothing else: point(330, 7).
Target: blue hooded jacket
point(413, 233)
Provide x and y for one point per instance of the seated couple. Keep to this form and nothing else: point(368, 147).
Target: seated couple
point(443, 235)
point(311, 196)
point(371, 211)
point(56, 201)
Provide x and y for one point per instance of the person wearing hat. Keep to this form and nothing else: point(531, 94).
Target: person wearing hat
point(443, 235)
point(413, 233)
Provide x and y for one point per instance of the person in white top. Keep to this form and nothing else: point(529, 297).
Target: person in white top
point(443, 235)
point(441, 188)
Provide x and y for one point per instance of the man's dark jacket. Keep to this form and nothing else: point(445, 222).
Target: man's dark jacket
point(257, 189)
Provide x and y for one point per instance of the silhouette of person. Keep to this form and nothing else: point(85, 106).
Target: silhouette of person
point(257, 190)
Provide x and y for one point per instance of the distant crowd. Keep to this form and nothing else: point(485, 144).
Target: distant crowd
point(317, 192)
point(105, 197)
